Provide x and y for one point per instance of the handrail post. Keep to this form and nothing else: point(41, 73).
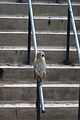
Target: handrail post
point(68, 38)
point(19, 1)
point(57, 1)
point(29, 39)
point(38, 100)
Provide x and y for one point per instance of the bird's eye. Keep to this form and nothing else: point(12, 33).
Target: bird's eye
point(42, 55)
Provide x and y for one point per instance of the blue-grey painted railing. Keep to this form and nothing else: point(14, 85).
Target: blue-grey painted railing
point(40, 107)
point(31, 31)
point(33, 27)
point(41, 98)
point(76, 40)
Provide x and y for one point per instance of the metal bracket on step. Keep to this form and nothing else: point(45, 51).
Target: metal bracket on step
point(20, 1)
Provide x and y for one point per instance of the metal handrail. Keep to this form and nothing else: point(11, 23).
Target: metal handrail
point(41, 98)
point(75, 31)
point(31, 30)
point(76, 40)
point(33, 27)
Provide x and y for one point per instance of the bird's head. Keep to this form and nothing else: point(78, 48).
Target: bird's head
point(40, 55)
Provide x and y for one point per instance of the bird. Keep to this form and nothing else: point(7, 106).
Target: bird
point(40, 66)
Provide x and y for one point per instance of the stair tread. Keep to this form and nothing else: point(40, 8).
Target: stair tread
point(48, 66)
point(43, 48)
point(37, 17)
point(37, 32)
point(48, 104)
point(24, 84)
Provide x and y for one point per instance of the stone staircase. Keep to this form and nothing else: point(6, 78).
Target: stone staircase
point(17, 87)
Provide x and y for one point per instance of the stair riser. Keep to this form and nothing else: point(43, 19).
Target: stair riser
point(30, 114)
point(63, 75)
point(29, 94)
point(53, 74)
point(13, 57)
point(20, 57)
point(40, 24)
point(17, 39)
point(38, 9)
point(60, 57)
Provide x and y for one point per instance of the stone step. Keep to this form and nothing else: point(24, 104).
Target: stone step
point(55, 72)
point(44, 38)
point(49, 23)
point(39, 9)
point(59, 110)
point(38, 1)
point(18, 55)
point(27, 92)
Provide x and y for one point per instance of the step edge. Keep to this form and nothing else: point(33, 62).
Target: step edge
point(53, 104)
point(37, 32)
point(40, 48)
point(40, 3)
point(32, 85)
point(48, 66)
point(37, 17)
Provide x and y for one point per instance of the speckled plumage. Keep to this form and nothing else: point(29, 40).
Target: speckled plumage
point(40, 66)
